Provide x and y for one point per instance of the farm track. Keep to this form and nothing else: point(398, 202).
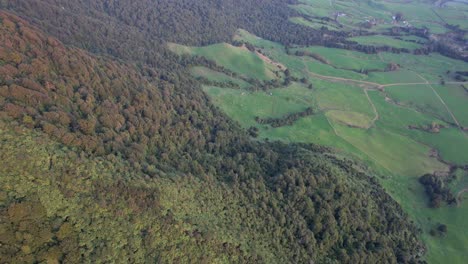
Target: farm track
point(418, 83)
point(376, 117)
point(377, 86)
point(357, 147)
point(332, 126)
point(445, 105)
point(438, 16)
point(371, 85)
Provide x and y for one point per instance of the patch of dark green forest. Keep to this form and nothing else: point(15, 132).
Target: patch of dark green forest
point(286, 120)
point(437, 186)
point(439, 231)
point(437, 190)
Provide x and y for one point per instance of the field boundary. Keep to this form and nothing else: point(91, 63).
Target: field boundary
point(442, 101)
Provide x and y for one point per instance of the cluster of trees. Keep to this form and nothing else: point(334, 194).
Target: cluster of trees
point(399, 31)
point(302, 53)
point(286, 120)
point(147, 117)
point(437, 190)
point(431, 128)
point(461, 77)
point(439, 231)
point(445, 48)
point(377, 49)
point(248, 45)
point(222, 84)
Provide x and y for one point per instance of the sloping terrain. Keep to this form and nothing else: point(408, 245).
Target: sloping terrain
point(399, 113)
point(109, 161)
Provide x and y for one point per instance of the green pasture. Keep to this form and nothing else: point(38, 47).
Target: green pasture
point(338, 96)
point(352, 119)
point(449, 248)
point(431, 67)
point(455, 96)
point(421, 98)
point(381, 40)
point(312, 23)
point(345, 59)
point(346, 120)
point(412, 38)
point(450, 142)
point(312, 10)
point(459, 183)
point(391, 150)
point(236, 59)
point(243, 35)
point(318, 67)
point(243, 106)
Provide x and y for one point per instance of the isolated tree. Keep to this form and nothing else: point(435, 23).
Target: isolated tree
point(398, 16)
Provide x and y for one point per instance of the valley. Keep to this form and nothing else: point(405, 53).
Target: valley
point(363, 107)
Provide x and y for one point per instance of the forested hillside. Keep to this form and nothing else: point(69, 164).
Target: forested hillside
point(125, 159)
point(137, 29)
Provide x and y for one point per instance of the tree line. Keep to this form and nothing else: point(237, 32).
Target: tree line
point(286, 120)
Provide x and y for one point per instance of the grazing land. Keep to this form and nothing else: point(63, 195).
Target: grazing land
point(380, 40)
point(363, 107)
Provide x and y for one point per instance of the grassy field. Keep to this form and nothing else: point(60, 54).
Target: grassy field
point(455, 97)
point(431, 67)
point(346, 59)
point(338, 96)
point(243, 106)
point(313, 23)
point(236, 59)
point(421, 98)
point(391, 150)
point(352, 119)
point(380, 40)
point(366, 116)
point(412, 38)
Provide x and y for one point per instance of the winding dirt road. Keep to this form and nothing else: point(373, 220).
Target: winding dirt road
point(371, 85)
point(445, 105)
point(377, 86)
point(376, 117)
